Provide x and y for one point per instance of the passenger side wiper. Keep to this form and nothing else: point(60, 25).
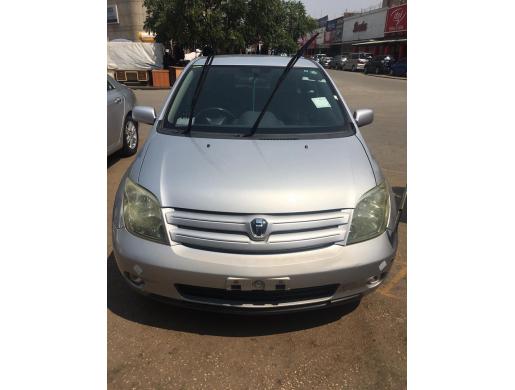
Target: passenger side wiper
point(290, 65)
point(203, 76)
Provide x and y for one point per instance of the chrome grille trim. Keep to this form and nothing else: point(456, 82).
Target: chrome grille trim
point(231, 232)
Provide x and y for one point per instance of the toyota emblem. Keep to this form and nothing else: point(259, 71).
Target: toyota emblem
point(258, 228)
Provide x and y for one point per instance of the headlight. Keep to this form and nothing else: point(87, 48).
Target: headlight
point(142, 213)
point(371, 214)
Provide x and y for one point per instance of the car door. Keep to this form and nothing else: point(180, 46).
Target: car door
point(115, 117)
point(353, 60)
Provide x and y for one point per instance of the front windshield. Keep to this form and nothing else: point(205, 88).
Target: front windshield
point(232, 98)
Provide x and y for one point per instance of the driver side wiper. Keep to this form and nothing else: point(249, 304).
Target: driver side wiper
point(203, 76)
point(290, 65)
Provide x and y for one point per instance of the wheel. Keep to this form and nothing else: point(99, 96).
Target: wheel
point(365, 70)
point(353, 68)
point(130, 136)
point(377, 70)
point(391, 72)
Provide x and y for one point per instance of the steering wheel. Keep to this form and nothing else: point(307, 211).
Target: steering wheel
point(213, 116)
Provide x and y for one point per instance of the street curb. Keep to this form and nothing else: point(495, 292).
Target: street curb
point(385, 76)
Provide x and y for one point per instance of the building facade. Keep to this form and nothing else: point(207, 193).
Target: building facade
point(379, 31)
point(125, 20)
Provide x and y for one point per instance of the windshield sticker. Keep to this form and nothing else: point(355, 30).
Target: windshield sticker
point(321, 102)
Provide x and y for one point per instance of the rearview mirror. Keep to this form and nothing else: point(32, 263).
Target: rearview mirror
point(364, 117)
point(144, 114)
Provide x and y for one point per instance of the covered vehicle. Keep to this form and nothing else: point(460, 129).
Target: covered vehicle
point(254, 192)
point(132, 62)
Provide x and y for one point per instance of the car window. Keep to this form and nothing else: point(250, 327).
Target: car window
point(232, 98)
point(355, 56)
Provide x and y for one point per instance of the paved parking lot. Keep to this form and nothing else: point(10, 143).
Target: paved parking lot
point(154, 346)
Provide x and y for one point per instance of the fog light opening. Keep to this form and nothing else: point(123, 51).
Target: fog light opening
point(136, 280)
point(374, 280)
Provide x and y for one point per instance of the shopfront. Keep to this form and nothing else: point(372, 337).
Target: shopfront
point(394, 40)
point(396, 29)
point(363, 28)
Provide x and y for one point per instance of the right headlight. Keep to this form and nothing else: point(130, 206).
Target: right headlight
point(142, 213)
point(371, 214)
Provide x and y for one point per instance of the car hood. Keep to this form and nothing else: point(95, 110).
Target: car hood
point(256, 176)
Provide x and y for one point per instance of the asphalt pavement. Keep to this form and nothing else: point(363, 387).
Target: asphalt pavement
point(155, 346)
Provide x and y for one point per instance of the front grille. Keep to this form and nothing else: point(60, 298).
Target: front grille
point(232, 232)
point(213, 295)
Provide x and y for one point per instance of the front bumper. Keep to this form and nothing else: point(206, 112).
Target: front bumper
point(162, 267)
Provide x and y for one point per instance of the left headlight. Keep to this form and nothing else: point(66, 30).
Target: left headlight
point(142, 213)
point(371, 214)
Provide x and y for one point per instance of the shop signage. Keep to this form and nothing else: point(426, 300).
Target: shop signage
point(331, 25)
point(112, 14)
point(397, 19)
point(369, 25)
point(360, 26)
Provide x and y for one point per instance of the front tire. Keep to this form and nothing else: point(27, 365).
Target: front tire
point(130, 136)
point(353, 68)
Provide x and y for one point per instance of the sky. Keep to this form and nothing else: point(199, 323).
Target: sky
point(335, 8)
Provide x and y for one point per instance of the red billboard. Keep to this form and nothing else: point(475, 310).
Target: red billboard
point(396, 19)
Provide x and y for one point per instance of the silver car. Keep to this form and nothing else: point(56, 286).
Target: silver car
point(249, 201)
point(122, 129)
point(356, 61)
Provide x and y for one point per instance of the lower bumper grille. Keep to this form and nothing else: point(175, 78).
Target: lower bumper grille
point(259, 297)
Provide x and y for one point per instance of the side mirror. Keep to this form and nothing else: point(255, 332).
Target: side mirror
point(144, 114)
point(364, 116)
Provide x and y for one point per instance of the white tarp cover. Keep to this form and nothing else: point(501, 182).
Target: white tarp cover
point(134, 56)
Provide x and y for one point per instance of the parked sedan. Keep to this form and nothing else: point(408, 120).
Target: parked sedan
point(379, 64)
point(326, 61)
point(122, 129)
point(318, 57)
point(338, 61)
point(356, 61)
point(399, 68)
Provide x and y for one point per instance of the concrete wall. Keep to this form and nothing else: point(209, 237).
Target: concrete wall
point(131, 15)
point(375, 25)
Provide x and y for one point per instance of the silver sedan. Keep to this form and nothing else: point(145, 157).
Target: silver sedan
point(122, 129)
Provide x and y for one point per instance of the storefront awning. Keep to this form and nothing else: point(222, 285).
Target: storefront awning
point(380, 42)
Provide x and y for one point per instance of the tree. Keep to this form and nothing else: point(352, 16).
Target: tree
point(228, 25)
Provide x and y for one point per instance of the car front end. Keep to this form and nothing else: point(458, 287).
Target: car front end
point(255, 224)
point(303, 260)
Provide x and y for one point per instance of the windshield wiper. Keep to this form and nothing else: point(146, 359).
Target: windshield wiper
point(290, 65)
point(203, 76)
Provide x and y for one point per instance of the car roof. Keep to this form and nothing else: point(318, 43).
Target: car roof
point(260, 60)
